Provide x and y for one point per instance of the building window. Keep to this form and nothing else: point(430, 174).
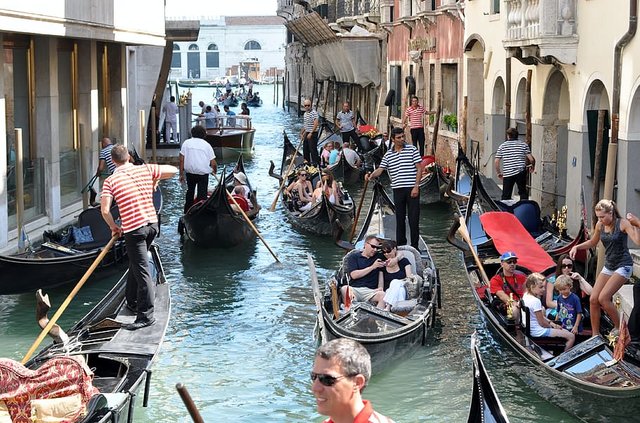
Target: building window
point(176, 61)
point(70, 183)
point(495, 6)
point(449, 75)
point(213, 56)
point(193, 61)
point(395, 83)
point(252, 45)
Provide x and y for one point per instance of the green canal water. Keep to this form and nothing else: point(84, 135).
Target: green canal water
point(241, 330)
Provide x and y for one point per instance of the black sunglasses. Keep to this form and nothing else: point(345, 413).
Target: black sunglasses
point(567, 266)
point(326, 380)
point(511, 261)
point(375, 247)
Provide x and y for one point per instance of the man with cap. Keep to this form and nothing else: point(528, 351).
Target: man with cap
point(197, 161)
point(508, 281)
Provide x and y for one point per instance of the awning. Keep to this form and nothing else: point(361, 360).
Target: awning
point(349, 59)
point(508, 234)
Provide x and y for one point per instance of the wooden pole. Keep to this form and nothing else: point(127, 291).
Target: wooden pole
point(188, 402)
point(527, 113)
point(436, 124)
point(84, 159)
point(284, 177)
point(19, 187)
point(154, 130)
point(507, 95)
point(462, 135)
point(595, 196)
point(300, 92)
point(66, 302)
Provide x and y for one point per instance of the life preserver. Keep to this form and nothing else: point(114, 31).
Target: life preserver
point(242, 202)
point(410, 82)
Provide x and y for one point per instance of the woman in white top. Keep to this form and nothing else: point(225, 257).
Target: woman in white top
point(539, 325)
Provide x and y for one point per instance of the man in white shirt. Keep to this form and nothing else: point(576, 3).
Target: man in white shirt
point(170, 110)
point(197, 161)
point(350, 155)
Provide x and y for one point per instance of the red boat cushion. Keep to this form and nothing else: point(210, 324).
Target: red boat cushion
point(242, 202)
point(508, 234)
point(57, 378)
point(427, 160)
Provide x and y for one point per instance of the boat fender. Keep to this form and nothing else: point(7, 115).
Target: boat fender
point(410, 82)
point(388, 101)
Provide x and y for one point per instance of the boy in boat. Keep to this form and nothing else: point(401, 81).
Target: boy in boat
point(341, 370)
point(569, 309)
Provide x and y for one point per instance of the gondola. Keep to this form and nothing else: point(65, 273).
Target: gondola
point(433, 185)
point(255, 101)
point(485, 404)
point(587, 374)
point(119, 359)
point(65, 255)
point(387, 335)
point(323, 217)
point(214, 222)
point(344, 171)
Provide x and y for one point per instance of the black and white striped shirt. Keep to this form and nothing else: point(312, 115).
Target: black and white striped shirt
point(308, 119)
point(514, 157)
point(402, 166)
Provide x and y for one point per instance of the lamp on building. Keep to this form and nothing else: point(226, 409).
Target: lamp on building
point(415, 56)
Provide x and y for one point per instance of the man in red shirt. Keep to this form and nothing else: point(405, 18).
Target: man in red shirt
point(132, 189)
point(341, 370)
point(508, 281)
point(415, 116)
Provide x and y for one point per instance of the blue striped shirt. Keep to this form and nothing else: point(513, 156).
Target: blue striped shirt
point(105, 154)
point(402, 166)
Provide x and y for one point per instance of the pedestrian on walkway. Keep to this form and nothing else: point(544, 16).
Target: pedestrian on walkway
point(309, 134)
point(415, 116)
point(517, 162)
point(170, 110)
point(197, 161)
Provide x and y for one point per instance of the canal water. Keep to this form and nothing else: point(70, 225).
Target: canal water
point(241, 330)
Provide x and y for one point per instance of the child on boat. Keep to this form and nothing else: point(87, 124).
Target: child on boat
point(569, 309)
point(539, 325)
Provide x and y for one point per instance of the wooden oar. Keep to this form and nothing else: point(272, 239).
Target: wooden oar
point(317, 296)
point(284, 177)
point(66, 302)
point(355, 222)
point(465, 235)
point(246, 218)
point(188, 402)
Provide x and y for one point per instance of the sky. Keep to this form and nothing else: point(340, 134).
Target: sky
point(190, 8)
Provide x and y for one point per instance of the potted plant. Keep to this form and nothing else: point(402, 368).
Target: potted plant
point(451, 121)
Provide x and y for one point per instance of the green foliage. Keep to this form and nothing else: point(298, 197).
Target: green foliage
point(451, 121)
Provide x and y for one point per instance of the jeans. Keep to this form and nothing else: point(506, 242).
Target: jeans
point(140, 291)
point(509, 181)
point(417, 139)
point(310, 148)
point(403, 201)
point(350, 135)
point(193, 181)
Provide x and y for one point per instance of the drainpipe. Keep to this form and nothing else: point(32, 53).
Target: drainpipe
point(615, 108)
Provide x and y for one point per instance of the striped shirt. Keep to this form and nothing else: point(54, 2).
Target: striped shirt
point(105, 154)
point(514, 157)
point(132, 189)
point(415, 116)
point(346, 121)
point(308, 119)
point(402, 166)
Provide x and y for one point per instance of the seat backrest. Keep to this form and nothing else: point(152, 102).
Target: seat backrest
point(414, 258)
point(525, 318)
point(343, 273)
point(528, 213)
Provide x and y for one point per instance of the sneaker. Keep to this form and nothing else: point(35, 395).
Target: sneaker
point(139, 324)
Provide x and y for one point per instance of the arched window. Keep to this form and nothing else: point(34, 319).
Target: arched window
point(213, 56)
point(193, 61)
point(193, 47)
point(252, 45)
point(176, 62)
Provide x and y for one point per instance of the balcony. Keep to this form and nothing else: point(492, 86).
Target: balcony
point(285, 9)
point(353, 8)
point(538, 30)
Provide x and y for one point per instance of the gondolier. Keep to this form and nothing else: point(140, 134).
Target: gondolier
point(309, 134)
point(517, 161)
point(347, 122)
point(405, 168)
point(197, 161)
point(132, 189)
point(415, 116)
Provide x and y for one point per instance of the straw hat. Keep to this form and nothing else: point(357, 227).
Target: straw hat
point(240, 177)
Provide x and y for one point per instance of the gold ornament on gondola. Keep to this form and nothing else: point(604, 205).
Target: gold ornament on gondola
point(562, 220)
point(510, 306)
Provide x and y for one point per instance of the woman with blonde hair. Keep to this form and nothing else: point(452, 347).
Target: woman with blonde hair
point(613, 231)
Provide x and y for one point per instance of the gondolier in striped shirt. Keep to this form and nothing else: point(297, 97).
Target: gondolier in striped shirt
point(131, 187)
point(517, 162)
point(405, 168)
point(309, 134)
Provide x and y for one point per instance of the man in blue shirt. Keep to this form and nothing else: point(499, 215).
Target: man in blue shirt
point(364, 270)
point(404, 166)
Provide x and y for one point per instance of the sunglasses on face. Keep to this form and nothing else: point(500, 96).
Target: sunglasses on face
point(375, 247)
point(512, 261)
point(326, 380)
point(567, 265)
point(307, 105)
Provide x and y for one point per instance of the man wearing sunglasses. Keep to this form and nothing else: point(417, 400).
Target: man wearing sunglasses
point(364, 269)
point(508, 281)
point(341, 370)
point(309, 134)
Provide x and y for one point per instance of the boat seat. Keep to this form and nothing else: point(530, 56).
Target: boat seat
point(478, 235)
point(528, 213)
point(548, 342)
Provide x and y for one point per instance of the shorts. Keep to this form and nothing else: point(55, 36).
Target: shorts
point(624, 271)
point(364, 294)
point(545, 333)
